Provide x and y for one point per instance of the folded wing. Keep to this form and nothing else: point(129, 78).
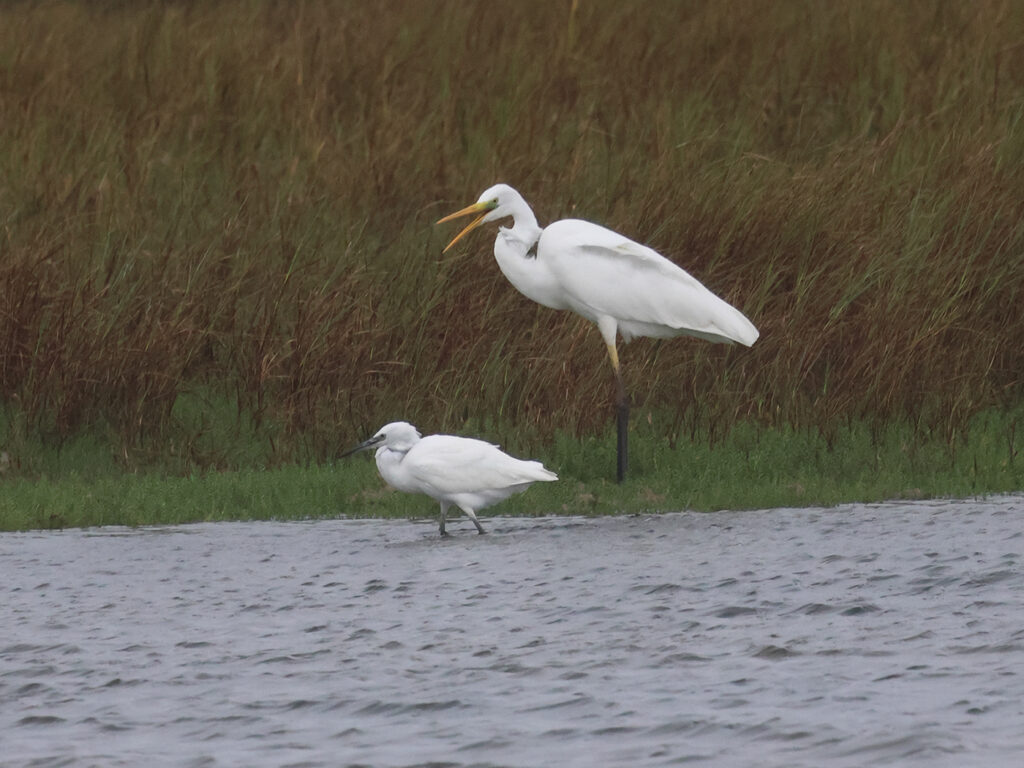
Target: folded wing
point(607, 274)
point(448, 465)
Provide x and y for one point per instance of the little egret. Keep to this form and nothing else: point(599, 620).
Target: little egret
point(607, 278)
point(468, 473)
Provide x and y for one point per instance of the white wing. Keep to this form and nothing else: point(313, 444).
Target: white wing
point(448, 465)
point(606, 274)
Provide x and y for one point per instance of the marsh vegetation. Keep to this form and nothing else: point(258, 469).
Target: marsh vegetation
point(218, 252)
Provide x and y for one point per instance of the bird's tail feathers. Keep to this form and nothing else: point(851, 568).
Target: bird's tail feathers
point(540, 473)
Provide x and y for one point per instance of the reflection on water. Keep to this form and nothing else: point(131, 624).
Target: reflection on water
point(880, 635)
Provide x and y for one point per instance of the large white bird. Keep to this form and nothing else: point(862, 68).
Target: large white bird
point(461, 471)
point(622, 286)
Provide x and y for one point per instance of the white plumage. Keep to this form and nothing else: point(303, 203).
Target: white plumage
point(608, 278)
point(455, 471)
point(622, 286)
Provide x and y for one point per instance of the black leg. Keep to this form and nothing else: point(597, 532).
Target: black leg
point(622, 422)
point(472, 516)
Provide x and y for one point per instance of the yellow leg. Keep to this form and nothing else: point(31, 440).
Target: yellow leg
point(622, 396)
point(613, 353)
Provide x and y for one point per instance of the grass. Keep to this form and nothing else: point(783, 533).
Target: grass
point(234, 202)
point(77, 485)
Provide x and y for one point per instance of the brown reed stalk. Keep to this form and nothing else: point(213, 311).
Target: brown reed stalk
point(240, 197)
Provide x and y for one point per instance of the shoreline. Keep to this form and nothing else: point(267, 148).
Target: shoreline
point(751, 468)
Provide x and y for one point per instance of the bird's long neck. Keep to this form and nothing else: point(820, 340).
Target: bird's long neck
point(515, 250)
point(389, 464)
point(524, 225)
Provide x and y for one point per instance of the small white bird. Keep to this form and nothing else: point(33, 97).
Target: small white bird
point(468, 473)
point(607, 278)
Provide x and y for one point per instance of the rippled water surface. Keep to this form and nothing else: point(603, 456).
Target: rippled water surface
point(879, 635)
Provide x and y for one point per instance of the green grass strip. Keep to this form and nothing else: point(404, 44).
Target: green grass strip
point(751, 468)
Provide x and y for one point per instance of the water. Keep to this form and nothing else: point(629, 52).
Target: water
point(858, 636)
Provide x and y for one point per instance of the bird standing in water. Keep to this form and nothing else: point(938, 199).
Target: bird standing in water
point(620, 285)
point(461, 471)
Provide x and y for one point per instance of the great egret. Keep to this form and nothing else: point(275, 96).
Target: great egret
point(607, 278)
point(468, 473)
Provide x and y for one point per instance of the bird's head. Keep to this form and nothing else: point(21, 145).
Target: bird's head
point(495, 203)
point(398, 436)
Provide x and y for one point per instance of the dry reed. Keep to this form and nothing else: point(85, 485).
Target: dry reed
point(239, 197)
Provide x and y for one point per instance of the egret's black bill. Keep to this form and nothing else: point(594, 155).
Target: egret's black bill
point(373, 442)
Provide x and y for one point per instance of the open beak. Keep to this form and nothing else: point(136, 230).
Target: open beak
point(482, 208)
point(373, 442)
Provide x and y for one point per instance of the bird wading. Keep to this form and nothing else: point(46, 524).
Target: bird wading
point(622, 286)
point(455, 471)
